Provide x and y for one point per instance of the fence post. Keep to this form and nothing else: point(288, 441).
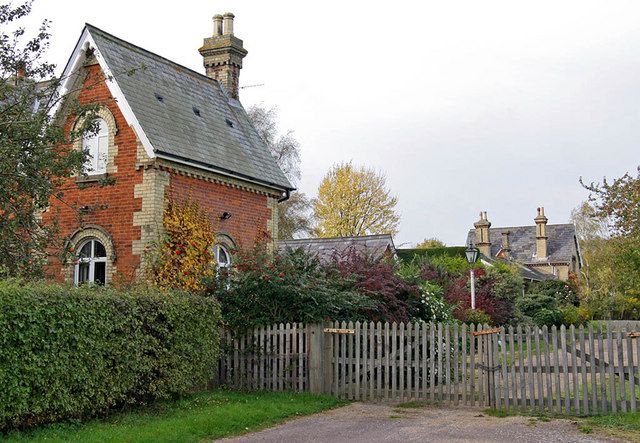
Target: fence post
point(320, 355)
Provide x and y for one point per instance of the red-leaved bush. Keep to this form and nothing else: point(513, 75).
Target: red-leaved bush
point(397, 300)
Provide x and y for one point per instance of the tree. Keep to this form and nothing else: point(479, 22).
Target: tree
point(32, 164)
point(428, 243)
point(354, 201)
point(618, 201)
point(293, 214)
point(610, 283)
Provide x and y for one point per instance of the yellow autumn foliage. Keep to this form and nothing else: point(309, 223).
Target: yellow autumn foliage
point(354, 201)
point(183, 257)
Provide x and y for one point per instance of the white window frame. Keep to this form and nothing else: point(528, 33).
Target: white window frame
point(216, 254)
point(92, 260)
point(97, 148)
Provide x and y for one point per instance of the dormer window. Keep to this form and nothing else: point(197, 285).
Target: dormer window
point(96, 146)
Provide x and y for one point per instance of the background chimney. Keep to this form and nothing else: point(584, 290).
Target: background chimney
point(483, 241)
point(222, 54)
point(506, 248)
point(541, 234)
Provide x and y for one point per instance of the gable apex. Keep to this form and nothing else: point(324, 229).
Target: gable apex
point(72, 69)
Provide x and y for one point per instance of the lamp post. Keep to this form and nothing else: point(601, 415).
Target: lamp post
point(472, 256)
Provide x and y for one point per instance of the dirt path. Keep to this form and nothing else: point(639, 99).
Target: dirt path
point(362, 422)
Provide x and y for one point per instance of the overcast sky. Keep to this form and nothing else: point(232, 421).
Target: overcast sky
point(465, 106)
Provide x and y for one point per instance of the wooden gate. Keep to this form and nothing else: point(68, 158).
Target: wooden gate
point(560, 370)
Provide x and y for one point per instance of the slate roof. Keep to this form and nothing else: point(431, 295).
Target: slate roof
point(526, 272)
point(172, 126)
point(522, 240)
point(374, 246)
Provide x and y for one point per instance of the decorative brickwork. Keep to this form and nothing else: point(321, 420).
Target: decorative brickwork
point(109, 206)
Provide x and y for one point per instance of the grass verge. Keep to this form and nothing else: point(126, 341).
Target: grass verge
point(209, 415)
point(625, 426)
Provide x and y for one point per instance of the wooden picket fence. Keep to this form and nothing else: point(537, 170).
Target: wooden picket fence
point(556, 370)
point(272, 358)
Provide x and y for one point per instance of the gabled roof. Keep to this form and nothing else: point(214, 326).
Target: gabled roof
point(373, 246)
point(220, 139)
point(522, 241)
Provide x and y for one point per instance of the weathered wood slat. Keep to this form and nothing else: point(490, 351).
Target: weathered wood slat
point(357, 349)
point(583, 373)
point(440, 358)
point(432, 361)
point(556, 367)
point(548, 379)
point(623, 388)
point(631, 372)
point(401, 360)
point(425, 360)
point(540, 380)
point(592, 370)
point(504, 353)
point(612, 378)
point(602, 370)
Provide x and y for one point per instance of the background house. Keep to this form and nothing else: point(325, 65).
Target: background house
point(544, 248)
point(165, 132)
point(328, 249)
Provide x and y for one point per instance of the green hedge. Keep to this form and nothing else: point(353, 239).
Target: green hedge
point(447, 251)
point(71, 353)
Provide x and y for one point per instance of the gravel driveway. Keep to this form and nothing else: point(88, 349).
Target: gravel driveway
point(364, 422)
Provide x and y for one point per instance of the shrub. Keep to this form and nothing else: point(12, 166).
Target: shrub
point(182, 258)
point(71, 353)
point(563, 292)
point(290, 287)
point(548, 317)
point(432, 306)
point(496, 291)
point(475, 316)
point(530, 304)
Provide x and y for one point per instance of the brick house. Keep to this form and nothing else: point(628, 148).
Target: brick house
point(550, 249)
point(165, 132)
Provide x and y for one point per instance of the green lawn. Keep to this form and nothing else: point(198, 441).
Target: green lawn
point(204, 416)
point(625, 426)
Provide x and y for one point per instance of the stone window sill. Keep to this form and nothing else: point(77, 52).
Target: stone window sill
point(87, 179)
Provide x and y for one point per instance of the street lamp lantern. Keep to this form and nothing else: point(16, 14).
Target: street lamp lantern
point(472, 256)
point(471, 253)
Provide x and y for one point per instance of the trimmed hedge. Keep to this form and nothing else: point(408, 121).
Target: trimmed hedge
point(447, 251)
point(72, 353)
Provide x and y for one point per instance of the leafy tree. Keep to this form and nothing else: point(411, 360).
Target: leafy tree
point(354, 201)
point(428, 243)
point(619, 201)
point(293, 214)
point(32, 164)
point(610, 283)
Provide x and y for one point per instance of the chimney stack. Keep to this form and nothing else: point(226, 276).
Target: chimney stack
point(541, 234)
point(506, 248)
point(222, 54)
point(483, 241)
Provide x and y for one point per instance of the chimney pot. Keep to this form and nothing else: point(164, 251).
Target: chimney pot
point(217, 25)
point(227, 26)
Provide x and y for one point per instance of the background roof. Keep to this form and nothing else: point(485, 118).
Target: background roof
point(374, 246)
point(522, 240)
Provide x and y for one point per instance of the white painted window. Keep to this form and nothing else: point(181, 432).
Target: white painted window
point(222, 256)
point(91, 265)
point(97, 148)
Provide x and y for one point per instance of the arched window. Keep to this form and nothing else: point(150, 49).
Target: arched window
point(222, 256)
point(96, 146)
point(91, 266)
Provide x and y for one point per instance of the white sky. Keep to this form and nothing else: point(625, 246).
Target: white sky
point(464, 105)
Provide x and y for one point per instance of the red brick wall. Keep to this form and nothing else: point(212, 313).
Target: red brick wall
point(117, 219)
point(249, 211)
